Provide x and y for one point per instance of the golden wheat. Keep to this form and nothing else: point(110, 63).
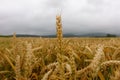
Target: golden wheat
point(59, 58)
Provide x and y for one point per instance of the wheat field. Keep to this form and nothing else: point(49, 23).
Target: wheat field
point(59, 58)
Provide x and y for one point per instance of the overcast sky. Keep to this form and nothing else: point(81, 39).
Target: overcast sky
point(78, 16)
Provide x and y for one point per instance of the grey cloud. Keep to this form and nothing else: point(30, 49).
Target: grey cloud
point(78, 16)
point(54, 3)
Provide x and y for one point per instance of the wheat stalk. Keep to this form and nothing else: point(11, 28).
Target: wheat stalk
point(59, 39)
point(17, 68)
point(28, 61)
point(94, 66)
point(110, 62)
point(46, 76)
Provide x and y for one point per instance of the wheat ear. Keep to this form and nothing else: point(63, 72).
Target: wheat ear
point(59, 40)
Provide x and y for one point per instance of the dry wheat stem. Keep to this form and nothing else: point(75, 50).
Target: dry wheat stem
point(46, 76)
point(59, 40)
point(110, 62)
point(17, 68)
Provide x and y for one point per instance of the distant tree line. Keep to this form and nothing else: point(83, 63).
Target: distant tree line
point(111, 35)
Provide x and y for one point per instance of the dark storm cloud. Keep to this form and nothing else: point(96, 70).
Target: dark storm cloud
point(78, 16)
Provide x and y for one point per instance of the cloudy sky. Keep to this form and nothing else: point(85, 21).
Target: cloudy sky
point(78, 16)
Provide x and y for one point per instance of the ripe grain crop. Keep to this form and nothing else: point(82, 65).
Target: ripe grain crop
point(59, 58)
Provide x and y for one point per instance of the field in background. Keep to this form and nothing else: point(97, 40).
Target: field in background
point(59, 58)
point(72, 59)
